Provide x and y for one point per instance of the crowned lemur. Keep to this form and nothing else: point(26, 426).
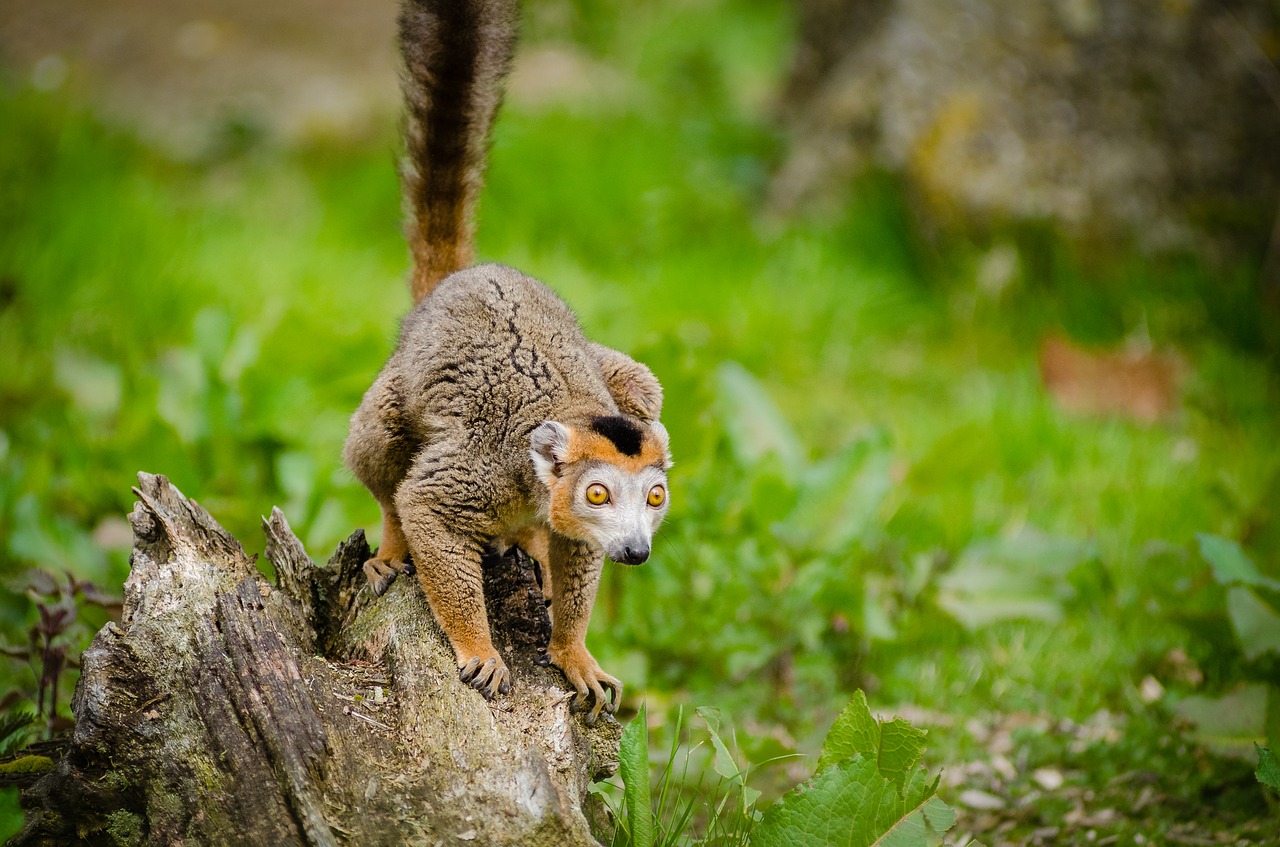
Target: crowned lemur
point(496, 420)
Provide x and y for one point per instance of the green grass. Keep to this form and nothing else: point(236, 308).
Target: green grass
point(852, 418)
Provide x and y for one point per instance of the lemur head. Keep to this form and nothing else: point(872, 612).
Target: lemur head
point(607, 478)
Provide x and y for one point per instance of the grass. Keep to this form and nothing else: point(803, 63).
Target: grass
point(859, 430)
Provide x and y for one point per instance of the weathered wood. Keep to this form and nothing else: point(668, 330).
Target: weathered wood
point(226, 710)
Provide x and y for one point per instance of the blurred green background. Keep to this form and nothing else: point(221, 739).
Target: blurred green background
point(874, 486)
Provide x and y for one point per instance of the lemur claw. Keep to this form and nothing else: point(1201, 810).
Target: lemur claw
point(593, 685)
point(488, 676)
point(381, 574)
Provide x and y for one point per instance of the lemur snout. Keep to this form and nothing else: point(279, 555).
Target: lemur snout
point(633, 555)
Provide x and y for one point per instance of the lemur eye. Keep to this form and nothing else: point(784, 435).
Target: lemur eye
point(597, 494)
point(657, 496)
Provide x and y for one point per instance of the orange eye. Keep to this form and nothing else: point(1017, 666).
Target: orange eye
point(597, 494)
point(657, 496)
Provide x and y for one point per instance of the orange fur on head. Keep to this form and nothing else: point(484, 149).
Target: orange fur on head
point(560, 513)
point(586, 447)
point(585, 444)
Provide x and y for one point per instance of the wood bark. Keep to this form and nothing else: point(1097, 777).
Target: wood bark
point(228, 710)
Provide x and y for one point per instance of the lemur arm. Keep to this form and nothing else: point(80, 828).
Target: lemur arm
point(575, 571)
point(634, 387)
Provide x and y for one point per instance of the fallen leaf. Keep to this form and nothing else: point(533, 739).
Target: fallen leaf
point(1050, 779)
point(981, 800)
point(1138, 384)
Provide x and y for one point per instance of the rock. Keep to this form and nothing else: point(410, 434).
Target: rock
point(1138, 120)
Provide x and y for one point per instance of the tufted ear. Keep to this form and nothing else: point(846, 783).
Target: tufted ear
point(659, 433)
point(549, 448)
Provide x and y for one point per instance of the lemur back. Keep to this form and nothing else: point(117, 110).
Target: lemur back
point(496, 418)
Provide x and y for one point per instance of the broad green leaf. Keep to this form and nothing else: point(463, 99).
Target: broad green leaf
point(1268, 771)
point(1229, 723)
point(934, 816)
point(1232, 567)
point(755, 426)
point(896, 746)
point(1023, 576)
point(841, 496)
point(1256, 623)
point(1230, 564)
point(724, 763)
point(855, 731)
point(633, 759)
point(939, 816)
point(851, 804)
point(901, 746)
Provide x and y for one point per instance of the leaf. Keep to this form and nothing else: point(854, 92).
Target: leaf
point(755, 426)
point(938, 815)
point(901, 746)
point(841, 496)
point(55, 620)
point(42, 582)
point(895, 746)
point(1227, 723)
point(851, 804)
point(15, 721)
point(633, 760)
point(1230, 564)
point(1268, 771)
point(13, 735)
point(1256, 624)
point(855, 731)
point(1024, 576)
point(1231, 567)
point(724, 763)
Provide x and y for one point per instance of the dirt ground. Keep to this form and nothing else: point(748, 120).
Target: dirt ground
point(177, 71)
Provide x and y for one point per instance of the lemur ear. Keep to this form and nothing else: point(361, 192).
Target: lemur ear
point(659, 433)
point(549, 447)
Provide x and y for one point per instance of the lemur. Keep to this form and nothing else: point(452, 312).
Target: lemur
point(495, 420)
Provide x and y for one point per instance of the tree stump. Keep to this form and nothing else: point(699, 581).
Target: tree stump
point(226, 710)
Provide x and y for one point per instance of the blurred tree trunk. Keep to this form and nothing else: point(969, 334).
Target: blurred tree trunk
point(225, 710)
point(1137, 120)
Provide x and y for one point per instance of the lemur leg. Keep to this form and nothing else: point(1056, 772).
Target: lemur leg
point(380, 450)
point(448, 549)
point(575, 571)
point(392, 555)
point(535, 541)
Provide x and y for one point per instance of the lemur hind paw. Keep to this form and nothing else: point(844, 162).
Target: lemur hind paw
point(488, 676)
point(381, 573)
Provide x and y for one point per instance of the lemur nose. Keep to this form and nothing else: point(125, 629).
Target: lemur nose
point(635, 556)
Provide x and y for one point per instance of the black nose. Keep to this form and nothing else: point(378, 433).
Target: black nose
point(634, 556)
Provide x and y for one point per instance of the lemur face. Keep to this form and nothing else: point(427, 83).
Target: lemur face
point(607, 481)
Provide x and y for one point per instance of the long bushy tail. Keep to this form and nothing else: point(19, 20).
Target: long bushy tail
point(456, 55)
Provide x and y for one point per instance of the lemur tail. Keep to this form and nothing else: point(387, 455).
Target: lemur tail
point(456, 54)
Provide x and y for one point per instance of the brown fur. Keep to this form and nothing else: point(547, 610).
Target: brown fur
point(442, 441)
point(442, 438)
point(456, 55)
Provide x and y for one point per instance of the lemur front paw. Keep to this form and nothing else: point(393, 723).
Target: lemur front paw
point(381, 573)
point(488, 676)
point(585, 675)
